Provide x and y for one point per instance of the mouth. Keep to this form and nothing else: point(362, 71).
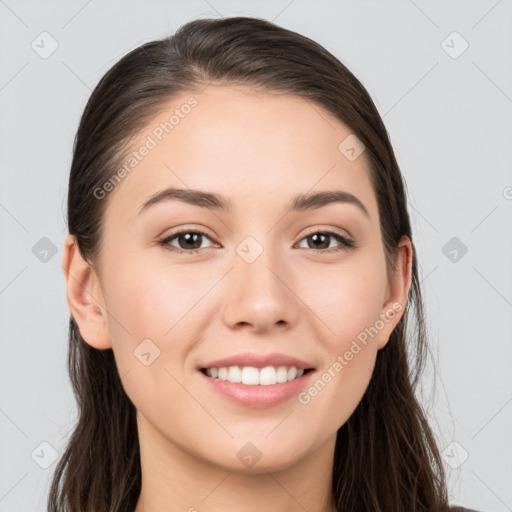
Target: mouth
point(253, 387)
point(253, 376)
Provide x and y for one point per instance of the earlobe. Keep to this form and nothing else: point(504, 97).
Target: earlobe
point(397, 291)
point(85, 297)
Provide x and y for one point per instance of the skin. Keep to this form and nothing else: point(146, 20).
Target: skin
point(267, 148)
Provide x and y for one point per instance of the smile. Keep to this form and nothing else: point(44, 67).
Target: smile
point(252, 376)
point(256, 387)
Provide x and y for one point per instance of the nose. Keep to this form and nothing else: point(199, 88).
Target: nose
point(259, 295)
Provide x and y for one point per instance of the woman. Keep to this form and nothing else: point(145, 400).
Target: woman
point(240, 273)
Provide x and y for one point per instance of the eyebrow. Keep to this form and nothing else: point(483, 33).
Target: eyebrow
point(210, 200)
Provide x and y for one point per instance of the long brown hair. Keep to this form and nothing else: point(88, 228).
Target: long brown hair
point(386, 458)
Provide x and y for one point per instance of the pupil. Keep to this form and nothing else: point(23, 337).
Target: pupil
point(188, 237)
point(315, 237)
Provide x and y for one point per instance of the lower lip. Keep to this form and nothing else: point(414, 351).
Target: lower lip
point(258, 396)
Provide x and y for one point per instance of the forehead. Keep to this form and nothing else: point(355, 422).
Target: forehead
point(244, 144)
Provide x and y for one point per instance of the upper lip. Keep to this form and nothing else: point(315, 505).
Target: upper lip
point(259, 361)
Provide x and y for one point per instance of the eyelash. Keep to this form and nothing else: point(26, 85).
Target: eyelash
point(346, 243)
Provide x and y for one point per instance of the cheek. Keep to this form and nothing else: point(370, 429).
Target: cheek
point(158, 302)
point(351, 310)
point(148, 310)
point(347, 299)
point(343, 379)
point(148, 298)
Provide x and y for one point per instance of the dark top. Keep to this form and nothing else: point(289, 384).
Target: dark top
point(456, 508)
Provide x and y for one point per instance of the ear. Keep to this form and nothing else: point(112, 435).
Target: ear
point(397, 291)
point(85, 297)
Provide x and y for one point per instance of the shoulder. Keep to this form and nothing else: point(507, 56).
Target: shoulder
point(461, 509)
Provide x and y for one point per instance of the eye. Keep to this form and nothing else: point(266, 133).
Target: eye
point(321, 241)
point(189, 241)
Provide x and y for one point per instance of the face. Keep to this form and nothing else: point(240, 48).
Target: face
point(188, 284)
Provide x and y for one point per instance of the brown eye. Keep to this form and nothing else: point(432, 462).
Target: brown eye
point(320, 241)
point(188, 241)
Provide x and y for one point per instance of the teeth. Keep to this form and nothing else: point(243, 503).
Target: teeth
point(234, 374)
point(252, 376)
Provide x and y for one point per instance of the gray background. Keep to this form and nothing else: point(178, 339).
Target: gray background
point(449, 119)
